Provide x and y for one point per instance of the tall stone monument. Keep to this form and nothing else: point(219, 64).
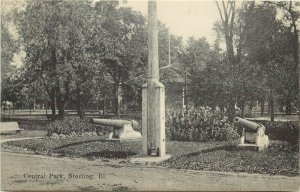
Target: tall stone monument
point(153, 105)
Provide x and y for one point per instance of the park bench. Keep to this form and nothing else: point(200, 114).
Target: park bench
point(10, 127)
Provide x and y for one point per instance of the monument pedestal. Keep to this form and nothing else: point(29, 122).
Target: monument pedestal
point(153, 118)
point(126, 133)
point(150, 159)
point(254, 140)
point(153, 95)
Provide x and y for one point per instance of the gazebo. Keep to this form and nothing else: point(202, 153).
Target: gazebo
point(177, 84)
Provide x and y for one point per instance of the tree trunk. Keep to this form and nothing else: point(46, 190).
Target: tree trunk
point(46, 106)
point(53, 102)
point(288, 109)
point(297, 63)
point(61, 107)
point(228, 25)
point(117, 100)
point(231, 110)
point(250, 108)
point(297, 52)
point(62, 98)
point(60, 103)
point(78, 103)
point(269, 107)
point(103, 104)
point(262, 107)
point(34, 104)
point(243, 110)
point(185, 92)
point(221, 105)
point(34, 97)
point(271, 103)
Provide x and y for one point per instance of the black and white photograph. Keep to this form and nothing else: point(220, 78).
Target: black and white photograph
point(150, 95)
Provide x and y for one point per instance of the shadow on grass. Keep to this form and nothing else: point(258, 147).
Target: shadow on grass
point(79, 143)
point(12, 133)
point(110, 154)
point(225, 148)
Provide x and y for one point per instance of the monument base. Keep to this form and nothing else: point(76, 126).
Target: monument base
point(126, 133)
point(262, 140)
point(253, 147)
point(124, 140)
point(153, 118)
point(150, 159)
point(254, 141)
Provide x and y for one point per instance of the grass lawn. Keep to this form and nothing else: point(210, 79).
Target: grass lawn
point(280, 159)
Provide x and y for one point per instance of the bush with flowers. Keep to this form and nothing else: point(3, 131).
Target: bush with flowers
point(199, 124)
point(76, 126)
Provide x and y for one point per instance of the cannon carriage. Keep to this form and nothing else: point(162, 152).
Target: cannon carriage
point(253, 134)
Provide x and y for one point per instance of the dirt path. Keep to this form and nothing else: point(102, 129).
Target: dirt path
point(16, 139)
point(20, 172)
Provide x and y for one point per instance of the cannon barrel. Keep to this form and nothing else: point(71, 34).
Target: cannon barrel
point(114, 122)
point(247, 123)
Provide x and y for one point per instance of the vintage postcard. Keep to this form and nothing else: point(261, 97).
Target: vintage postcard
point(159, 95)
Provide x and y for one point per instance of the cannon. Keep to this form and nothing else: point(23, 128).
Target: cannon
point(123, 129)
point(253, 134)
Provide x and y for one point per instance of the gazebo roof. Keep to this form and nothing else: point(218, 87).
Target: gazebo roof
point(173, 75)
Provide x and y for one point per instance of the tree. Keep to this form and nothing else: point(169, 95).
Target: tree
point(257, 61)
point(60, 42)
point(9, 42)
point(265, 51)
point(125, 48)
point(196, 57)
point(227, 15)
point(291, 15)
point(236, 85)
point(9, 47)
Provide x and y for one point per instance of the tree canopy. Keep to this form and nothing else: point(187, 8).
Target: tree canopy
point(82, 51)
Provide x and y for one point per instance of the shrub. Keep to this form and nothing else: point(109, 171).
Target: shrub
point(282, 130)
point(202, 124)
point(70, 124)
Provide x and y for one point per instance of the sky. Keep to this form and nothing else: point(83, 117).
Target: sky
point(184, 18)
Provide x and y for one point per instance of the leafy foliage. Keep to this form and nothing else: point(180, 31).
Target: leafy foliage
point(284, 131)
point(69, 125)
point(202, 124)
point(10, 43)
point(71, 46)
point(256, 63)
point(80, 53)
